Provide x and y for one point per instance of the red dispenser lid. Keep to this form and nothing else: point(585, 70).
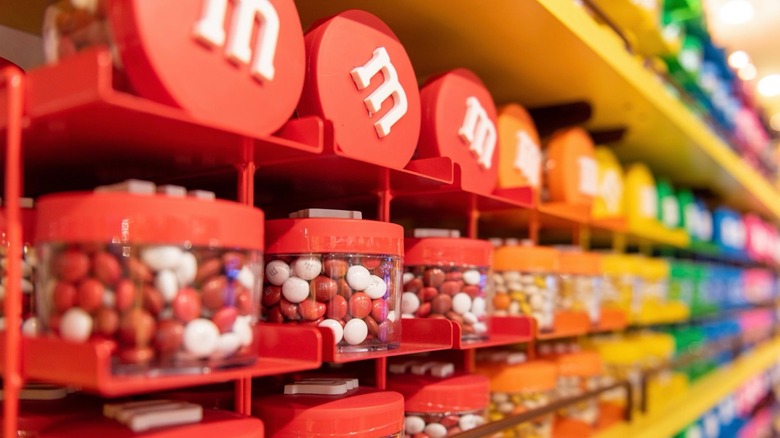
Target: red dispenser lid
point(428, 394)
point(447, 250)
point(134, 218)
point(360, 413)
point(239, 68)
point(322, 235)
point(459, 121)
point(359, 77)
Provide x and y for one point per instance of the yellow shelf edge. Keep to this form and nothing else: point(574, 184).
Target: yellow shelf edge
point(702, 396)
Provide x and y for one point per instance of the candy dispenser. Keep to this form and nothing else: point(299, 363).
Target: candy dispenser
point(174, 281)
point(579, 372)
point(581, 283)
point(526, 282)
point(448, 276)
point(620, 282)
point(333, 269)
point(442, 406)
point(520, 387)
point(622, 360)
point(323, 407)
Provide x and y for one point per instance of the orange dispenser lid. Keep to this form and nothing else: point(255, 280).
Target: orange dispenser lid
point(580, 263)
point(572, 175)
point(316, 235)
point(360, 413)
point(447, 250)
point(580, 364)
point(526, 258)
point(520, 164)
point(531, 376)
point(427, 394)
point(135, 218)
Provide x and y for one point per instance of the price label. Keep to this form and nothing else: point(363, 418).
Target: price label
point(588, 176)
point(528, 159)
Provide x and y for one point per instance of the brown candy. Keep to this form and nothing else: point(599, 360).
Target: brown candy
point(136, 328)
point(324, 288)
point(433, 277)
point(441, 304)
point(335, 268)
point(213, 292)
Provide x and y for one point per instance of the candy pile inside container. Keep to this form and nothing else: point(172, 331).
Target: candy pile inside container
point(171, 277)
point(331, 268)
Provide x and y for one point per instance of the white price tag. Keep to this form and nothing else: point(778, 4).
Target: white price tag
point(588, 176)
point(528, 158)
point(611, 191)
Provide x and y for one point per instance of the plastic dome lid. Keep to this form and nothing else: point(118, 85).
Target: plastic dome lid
point(427, 394)
point(448, 250)
point(579, 364)
point(531, 376)
point(580, 263)
point(339, 235)
point(526, 258)
point(134, 218)
point(361, 412)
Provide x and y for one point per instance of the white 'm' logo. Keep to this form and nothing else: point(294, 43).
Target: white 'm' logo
point(380, 62)
point(210, 30)
point(479, 131)
point(611, 191)
point(528, 159)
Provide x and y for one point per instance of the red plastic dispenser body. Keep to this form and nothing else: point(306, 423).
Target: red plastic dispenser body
point(360, 78)
point(459, 122)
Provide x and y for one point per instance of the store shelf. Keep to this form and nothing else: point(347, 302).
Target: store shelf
point(549, 51)
point(567, 324)
point(703, 395)
point(506, 330)
point(611, 320)
point(88, 365)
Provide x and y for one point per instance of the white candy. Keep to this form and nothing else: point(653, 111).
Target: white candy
point(407, 277)
point(162, 257)
point(246, 278)
point(499, 397)
point(201, 337)
point(167, 283)
point(307, 267)
point(410, 302)
point(469, 421)
point(407, 316)
point(355, 331)
point(479, 306)
point(338, 330)
point(392, 316)
point(413, 424)
point(498, 279)
point(527, 279)
point(461, 303)
point(295, 289)
point(472, 277)
point(187, 270)
point(514, 308)
point(436, 430)
point(536, 302)
point(31, 327)
point(227, 344)
point(376, 287)
point(531, 290)
point(480, 327)
point(277, 272)
point(243, 328)
point(358, 277)
point(470, 318)
point(512, 276)
point(75, 325)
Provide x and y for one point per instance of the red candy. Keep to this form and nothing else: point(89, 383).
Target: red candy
point(125, 295)
point(433, 277)
point(64, 296)
point(388, 331)
point(373, 326)
point(153, 300)
point(186, 305)
point(207, 269)
point(90, 295)
point(224, 318)
point(274, 315)
point(106, 322)
point(324, 288)
point(105, 268)
point(136, 355)
point(139, 272)
point(337, 307)
point(71, 265)
point(271, 295)
point(473, 290)
point(168, 338)
point(289, 310)
point(427, 293)
point(370, 263)
point(136, 328)
point(423, 311)
point(213, 293)
point(312, 310)
point(359, 305)
point(335, 268)
point(441, 303)
point(451, 287)
point(379, 310)
point(413, 285)
point(244, 302)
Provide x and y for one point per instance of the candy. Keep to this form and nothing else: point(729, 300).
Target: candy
point(360, 305)
point(337, 308)
point(136, 328)
point(335, 268)
point(414, 424)
point(355, 331)
point(169, 335)
point(167, 283)
point(71, 265)
point(335, 325)
point(75, 325)
point(376, 287)
point(213, 293)
point(224, 319)
point(435, 430)
point(187, 270)
point(461, 303)
point(105, 268)
point(325, 288)
point(200, 337)
point(307, 267)
point(472, 277)
point(162, 257)
point(295, 289)
point(312, 310)
point(277, 272)
point(106, 322)
point(64, 296)
point(358, 277)
point(227, 344)
point(379, 310)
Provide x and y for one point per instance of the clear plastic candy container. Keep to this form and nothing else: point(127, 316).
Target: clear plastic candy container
point(173, 281)
point(517, 388)
point(333, 269)
point(620, 283)
point(526, 283)
point(27, 264)
point(578, 373)
point(581, 280)
point(326, 408)
point(442, 406)
point(622, 360)
point(448, 276)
